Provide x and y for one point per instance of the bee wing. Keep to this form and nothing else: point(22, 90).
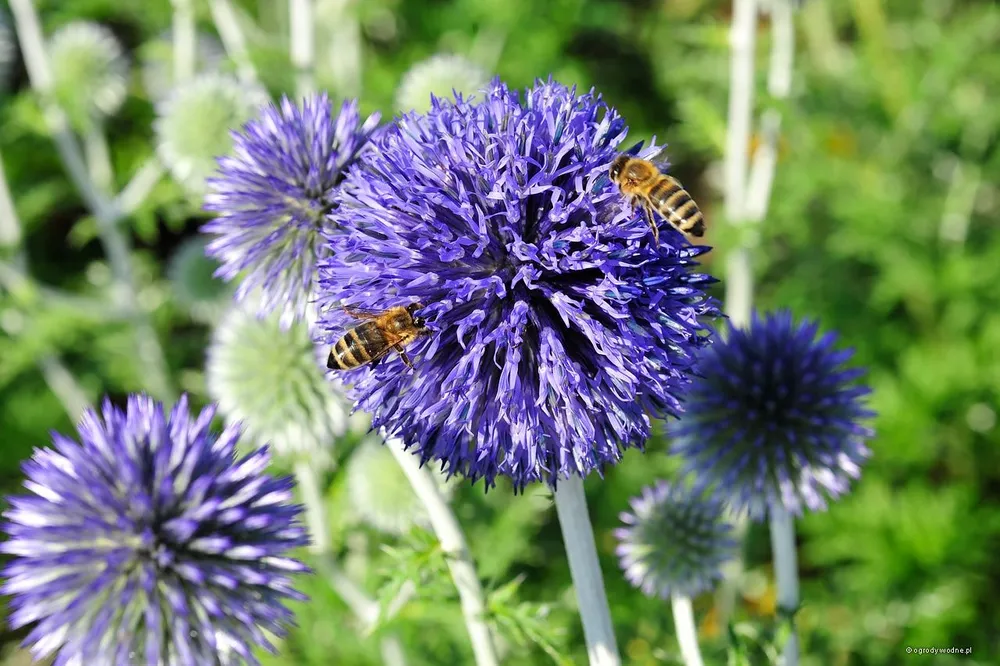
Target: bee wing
point(660, 159)
point(362, 313)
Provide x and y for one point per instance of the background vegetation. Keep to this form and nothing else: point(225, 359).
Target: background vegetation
point(883, 224)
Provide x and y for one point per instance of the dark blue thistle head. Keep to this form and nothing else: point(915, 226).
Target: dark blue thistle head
point(674, 541)
point(150, 542)
point(775, 418)
point(557, 329)
point(273, 195)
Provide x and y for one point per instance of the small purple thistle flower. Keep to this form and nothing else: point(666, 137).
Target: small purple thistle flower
point(775, 418)
point(675, 541)
point(557, 329)
point(150, 542)
point(273, 195)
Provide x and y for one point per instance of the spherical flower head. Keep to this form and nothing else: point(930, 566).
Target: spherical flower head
point(150, 542)
point(775, 418)
point(379, 493)
point(271, 379)
point(157, 73)
point(675, 541)
point(89, 71)
point(441, 75)
point(194, 122)
point(192, 279)
point(556, 329)
point(272, 196)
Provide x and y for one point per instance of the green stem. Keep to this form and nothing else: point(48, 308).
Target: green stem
point(456, 550)
point(585, 569)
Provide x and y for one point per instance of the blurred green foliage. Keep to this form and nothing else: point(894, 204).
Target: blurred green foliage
point(883, 223)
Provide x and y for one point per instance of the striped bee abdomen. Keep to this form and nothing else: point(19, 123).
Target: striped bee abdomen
point(360, 345)
point(675, 204)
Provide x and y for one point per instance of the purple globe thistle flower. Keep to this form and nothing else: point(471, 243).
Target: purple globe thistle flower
point(675, 541)
point(273, 195)
point(775, 418)
point(150, 542)
point(557, 329)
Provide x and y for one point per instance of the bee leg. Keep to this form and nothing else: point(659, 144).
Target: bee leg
point(652, 223)
point(403, 356)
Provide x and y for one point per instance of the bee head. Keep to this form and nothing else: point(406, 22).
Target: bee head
point(616, 166)
point(419, 322)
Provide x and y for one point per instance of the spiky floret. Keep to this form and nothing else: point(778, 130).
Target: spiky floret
point(775, 417)
point(557, 329)
point(150, 541)
point(272, 196)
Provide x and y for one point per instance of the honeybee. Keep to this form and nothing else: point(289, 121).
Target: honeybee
point(644, 184)
point(380, 333)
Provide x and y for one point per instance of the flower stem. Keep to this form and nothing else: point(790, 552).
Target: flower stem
point(345, 34)
point(185, 41)
point(364, 607)
point(960, 202)
point(585, 568)
point(308, 479)
point(786, 573)
point(10, 225)
point(748, 196)
point(309, 485)
point(97, 154)
point(233, 39)
point(303, 45)
point(687, 634)
point(116, 243)
point(779, 84)
point(64, 385)
point(58, 377)
point(456, 550)
point(742, 40)
point(392, 651)
point(732, 573)
point(139, 187)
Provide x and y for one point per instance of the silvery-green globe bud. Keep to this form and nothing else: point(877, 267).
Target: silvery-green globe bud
point(674, 541)
point(379, 492)
point(89, 71)
point(157, 71)
point(191, 273)
point(439, 75)
point(272, 380)
point(194, 122)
